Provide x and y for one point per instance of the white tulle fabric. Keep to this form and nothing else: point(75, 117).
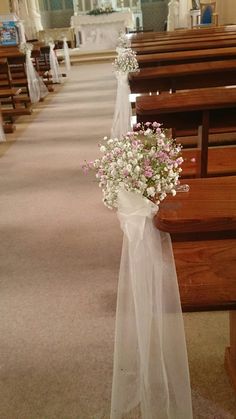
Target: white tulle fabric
point(54, 66)
point(2, 134)
point(150, 359)
point(123, 111)
point(36, 86)
point(66, 55)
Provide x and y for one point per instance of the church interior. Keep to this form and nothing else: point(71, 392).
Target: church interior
point(61, 247)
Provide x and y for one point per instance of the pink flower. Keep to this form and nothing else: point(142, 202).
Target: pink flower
point(156, 124)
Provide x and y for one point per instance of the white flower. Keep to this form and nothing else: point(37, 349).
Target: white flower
point(103, 149)
point(151, 191)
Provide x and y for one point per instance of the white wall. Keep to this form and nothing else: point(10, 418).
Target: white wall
point(227, 11)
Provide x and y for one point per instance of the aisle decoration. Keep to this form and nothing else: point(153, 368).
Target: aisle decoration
point(66, 55)
point(122, 43)
point(54, 66)
point(37, 88)
point(135, 173)
point(2, 134)
point(125, 63)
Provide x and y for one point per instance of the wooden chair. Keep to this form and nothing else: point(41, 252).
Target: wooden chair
point(208, 12)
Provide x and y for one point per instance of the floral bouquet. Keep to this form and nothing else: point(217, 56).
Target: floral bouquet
point(24, 47)
point(123, 41)
point(126, 62)
point(101, 11)
point(145, 161)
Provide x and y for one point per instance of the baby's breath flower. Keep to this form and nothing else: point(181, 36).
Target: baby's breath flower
point(146, 161)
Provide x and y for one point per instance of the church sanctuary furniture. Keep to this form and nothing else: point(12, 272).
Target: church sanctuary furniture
point(192, 110)
point(102, 31)
point(209, 16)
point(202, 224)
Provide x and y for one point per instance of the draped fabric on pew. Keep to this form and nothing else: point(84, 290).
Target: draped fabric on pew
point(66, 55)
point(150, 358)
point(123, 111)
point(2, 135)
point(54, 66)
point(36, 86)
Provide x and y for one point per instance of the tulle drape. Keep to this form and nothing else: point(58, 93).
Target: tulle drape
point(150, 358)
point(36, 86)
point(2, 134)
point(123, 111)
point(66, 55)
point(54, 66)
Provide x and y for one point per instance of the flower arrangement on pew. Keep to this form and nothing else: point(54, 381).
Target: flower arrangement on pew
point(145, 161)
point(122, 43)
point(24, 47)
point(126, 62)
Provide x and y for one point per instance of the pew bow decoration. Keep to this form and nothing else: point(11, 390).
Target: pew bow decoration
point(125, 63)
point(66, 55)
point(2, 134)
point(150, 375)
point(37, 88)
point(54, 66)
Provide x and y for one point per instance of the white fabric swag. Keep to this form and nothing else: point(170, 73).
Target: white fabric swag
point(54, 66)
point(66, 55)
point(150, 358)
point(123, 111)
point(2, 134)
point(36, 86)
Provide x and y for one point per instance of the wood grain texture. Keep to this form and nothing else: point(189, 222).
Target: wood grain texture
point(209, 206)
point(206, 274)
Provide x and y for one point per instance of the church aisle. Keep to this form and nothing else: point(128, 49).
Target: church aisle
point(60, 253)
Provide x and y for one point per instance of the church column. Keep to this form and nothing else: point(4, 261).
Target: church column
point(34, 13)
point(183, 13)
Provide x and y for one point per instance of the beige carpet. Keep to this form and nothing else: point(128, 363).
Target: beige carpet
point(59, 254)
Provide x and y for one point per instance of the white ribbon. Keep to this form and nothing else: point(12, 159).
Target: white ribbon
point(123, 111)
point(66, 55)
point(36, 86)
point(150, 358)
point(54, 66)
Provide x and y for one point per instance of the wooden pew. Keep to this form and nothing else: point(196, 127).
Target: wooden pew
point(183, 76)
point(188, 46)
point(202, 224)
point(185, 40)
point(166, 58)
point(206, 108)
point(180, 34)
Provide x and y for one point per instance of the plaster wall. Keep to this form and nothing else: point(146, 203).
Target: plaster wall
point(4, 7)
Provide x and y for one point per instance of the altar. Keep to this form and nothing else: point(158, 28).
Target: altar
point(101, 32)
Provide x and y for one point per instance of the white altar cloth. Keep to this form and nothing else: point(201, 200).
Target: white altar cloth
point(100, 32)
